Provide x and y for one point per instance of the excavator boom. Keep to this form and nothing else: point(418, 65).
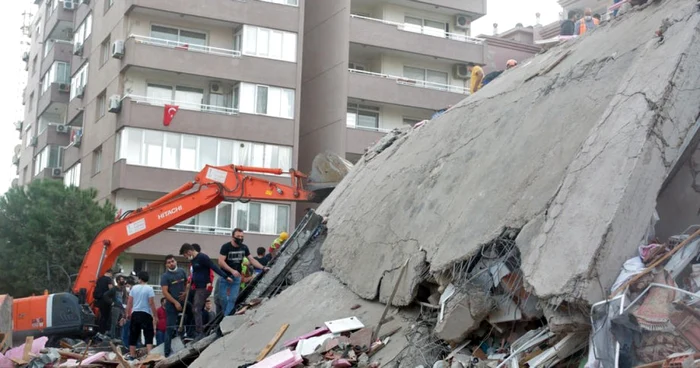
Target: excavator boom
point(210, 187)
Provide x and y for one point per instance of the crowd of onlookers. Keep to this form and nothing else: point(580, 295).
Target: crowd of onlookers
point(127, 305)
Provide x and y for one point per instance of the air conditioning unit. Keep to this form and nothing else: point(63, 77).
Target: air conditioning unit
point(56, 172)
point(118, 49)
point(461, 71)
point(115, 104)
point(80, 92)
point(34, 141)
point(463, 21)
point(18, 125)
point(62, 128)
point(86, 2)
point(78, 49)
point(64, 87)
point(78, 139)
point(25, 56)
point(215, 87)
point(68, 5)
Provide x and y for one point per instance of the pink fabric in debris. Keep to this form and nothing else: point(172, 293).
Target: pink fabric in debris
point(314, 333)
point(284, 359)
point(16, 353)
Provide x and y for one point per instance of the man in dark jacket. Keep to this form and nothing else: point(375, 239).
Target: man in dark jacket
point(568, 27)
point(104, 296)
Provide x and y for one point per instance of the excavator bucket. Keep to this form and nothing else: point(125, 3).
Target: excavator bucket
point(327, 170)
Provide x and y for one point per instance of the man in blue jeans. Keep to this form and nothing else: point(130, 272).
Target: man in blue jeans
point(173, 284)
point(230, 260)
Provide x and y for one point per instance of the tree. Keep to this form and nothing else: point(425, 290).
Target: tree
point(45, 231)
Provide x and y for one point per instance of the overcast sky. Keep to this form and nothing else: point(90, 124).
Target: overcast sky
point(507, 13)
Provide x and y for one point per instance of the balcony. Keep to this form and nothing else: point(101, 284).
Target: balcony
point(58, 23)
point(474, 7)
point(415, 39)
point(212, 62)
point(403, 91)
point(50, 136)
point(71, 156)
point(60, 51)
point(199, 119)
point(260, 13)
point(56, 94)
point(357, 139)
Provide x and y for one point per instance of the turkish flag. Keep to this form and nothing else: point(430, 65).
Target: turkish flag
point(169, 113)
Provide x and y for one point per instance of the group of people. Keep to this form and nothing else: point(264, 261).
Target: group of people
point(478, 80)
point(132, 304)
point(576, 25)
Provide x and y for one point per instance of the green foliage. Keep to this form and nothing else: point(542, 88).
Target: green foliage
point(45, 230)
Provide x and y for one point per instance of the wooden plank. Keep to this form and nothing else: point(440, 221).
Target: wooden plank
point(391, 299)
point(82, 357)
point(272, 343)
point(120, 358)
point(27, 348)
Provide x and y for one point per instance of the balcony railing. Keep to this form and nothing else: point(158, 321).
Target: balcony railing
point(428, 31)
point(358, 127)
point(185, 105)
point(415, 82)
point(185, 46)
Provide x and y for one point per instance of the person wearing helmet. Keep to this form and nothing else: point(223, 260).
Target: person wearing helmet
point(277, 244)
point(512, 63)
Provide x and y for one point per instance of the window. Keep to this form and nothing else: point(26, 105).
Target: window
point(155, 269)
point(265, 100)
point(34, 61)
point(48, 157)
point(108, 5)
point(268, 43)
point(101, 103)
point(168, 36)
point(263, 218)
point(82, 32)
point(30, 135)
point(189, 152)
point(427, 78)
point(363, 116)
point(187, 98)
point(411, 122)
point(105, 50)
point(283, 2)
point(356, 66)
point(79, 80)
point(31, 102)
point(59, 72)
point(425, 26)
point(47, 119)
point(97, 160)
point(72, 176)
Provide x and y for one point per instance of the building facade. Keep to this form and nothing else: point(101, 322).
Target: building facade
point(100, 74)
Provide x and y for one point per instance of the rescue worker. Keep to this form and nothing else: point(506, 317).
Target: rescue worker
point(477, 77)
point(512, 63)
point(246, 273)
point(277, 244)
point(586, 23)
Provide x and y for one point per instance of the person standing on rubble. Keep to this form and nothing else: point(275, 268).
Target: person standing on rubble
point(568, 27)
point(118, 306)
point(477, 76)
point(231, 258)
point(173, 285)
point(141, 312)
point(103, 301)
point(201, 264)
point(586, 23)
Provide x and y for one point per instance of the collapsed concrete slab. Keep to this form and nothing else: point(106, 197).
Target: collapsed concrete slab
point(305, 306)
point(571, 147)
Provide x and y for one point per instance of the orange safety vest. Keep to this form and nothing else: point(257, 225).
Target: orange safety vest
point(582, 26)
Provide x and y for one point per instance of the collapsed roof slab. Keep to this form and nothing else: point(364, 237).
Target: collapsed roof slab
point(574, 156)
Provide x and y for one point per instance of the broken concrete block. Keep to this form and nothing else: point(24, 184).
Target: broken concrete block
point(463, 313)
point(565, 320)
point(231, 323)
point(362, 339)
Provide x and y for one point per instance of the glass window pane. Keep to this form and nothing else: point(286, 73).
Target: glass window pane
point(263, 42)
point(205, 220)
point(289, 47)
point(223, 216)
point(258, 155)
point(207, 151)
point(225, 152)
point(241, 153)
point(274, 101)
point(368, 120)
point(242, 215)
point(164, 33)
point(271, 156)
point(282, 219)
point(250, 41)
point(414, 73)
point(153, 143)
point(193, 38)
point(261, 101)
point(254, 217)
point(268, 223)
point(412, 24)
point(285, 158)
point(287, 104)
point(171, 154)
point(159, 95)
point(189, 98)
point(351, 119)
point(437, 78)
point(276, 44)
point(133, 146)
point(188, 155)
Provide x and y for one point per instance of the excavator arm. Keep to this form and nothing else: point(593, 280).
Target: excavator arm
point(210, 187)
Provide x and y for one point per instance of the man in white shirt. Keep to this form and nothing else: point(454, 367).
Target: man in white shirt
point(142, 313)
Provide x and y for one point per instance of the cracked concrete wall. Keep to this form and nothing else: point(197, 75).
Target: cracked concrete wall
point(575, 157)
point(679, 202)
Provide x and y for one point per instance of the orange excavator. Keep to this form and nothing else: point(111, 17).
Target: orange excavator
point(69, 314)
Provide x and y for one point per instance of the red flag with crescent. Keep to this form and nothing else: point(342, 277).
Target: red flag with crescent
point(169, 113)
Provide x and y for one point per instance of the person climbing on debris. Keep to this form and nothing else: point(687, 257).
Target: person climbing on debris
point(201, 266)
point(512, 63)
point(587, 23)
point(231, 258)
point(477, 77)
point(277, 244)
point(262, 258)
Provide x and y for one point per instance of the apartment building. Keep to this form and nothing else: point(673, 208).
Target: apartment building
point(374, 65)
point(101, 72)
